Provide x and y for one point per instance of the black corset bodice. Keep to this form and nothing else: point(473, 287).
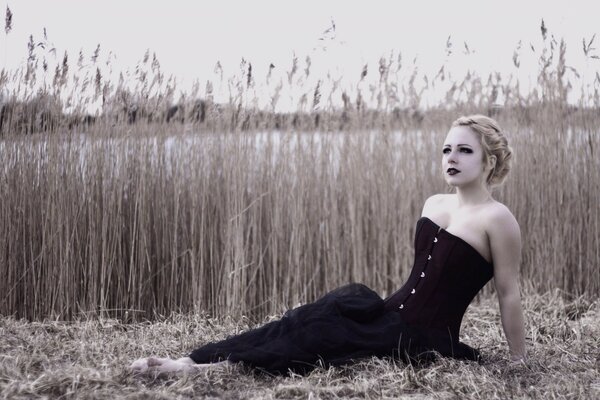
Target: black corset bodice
point(446, 275)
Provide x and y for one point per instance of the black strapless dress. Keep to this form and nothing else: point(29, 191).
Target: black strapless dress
point(353, 322)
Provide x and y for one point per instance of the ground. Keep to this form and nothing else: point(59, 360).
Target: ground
point(89, 358)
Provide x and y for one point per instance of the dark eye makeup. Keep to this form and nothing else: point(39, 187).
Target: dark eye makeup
point(467, 150)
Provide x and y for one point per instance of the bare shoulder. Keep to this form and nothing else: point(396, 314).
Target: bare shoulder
point(436, 202)
point(500, 220)
point(503, 230)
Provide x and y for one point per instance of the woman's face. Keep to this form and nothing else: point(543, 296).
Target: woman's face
point(462, 158)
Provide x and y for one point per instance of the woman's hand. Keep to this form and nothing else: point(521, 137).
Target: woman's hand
point(517, 362)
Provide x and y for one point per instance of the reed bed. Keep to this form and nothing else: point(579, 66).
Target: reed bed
point(253, 223)
point(150, 206)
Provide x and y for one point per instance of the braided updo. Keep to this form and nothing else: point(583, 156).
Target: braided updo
point(494, 143)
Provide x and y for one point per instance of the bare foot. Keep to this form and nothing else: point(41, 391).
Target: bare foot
point(140, 365)
point(159, 366)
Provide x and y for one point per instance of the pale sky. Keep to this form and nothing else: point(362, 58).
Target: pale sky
point(189, 37)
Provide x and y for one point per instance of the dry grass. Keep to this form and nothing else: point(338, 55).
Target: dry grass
point(87, 359)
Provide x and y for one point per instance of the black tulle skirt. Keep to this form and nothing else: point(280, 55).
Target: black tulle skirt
point(347, 324)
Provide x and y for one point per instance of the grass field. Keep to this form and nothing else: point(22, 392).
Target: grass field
point(88, 359)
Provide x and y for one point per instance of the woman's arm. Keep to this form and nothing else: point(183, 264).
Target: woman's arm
point(505, 243)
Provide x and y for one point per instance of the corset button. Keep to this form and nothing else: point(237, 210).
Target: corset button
point(422, 274)
point(412, 291)
point(401, 306)
point(429, 257)
point(435, 240)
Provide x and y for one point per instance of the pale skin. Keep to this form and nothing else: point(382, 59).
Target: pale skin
point(159, 365)
point(471, 214)
point(486, 224)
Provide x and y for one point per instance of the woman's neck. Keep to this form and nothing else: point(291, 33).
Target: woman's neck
point(473, 196)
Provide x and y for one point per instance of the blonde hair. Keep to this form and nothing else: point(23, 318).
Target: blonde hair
point(494, 143)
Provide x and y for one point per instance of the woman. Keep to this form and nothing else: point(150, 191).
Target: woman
point(462, 240)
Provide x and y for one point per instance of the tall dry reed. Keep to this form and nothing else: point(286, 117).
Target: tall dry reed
point(252, 223)
point(231, 208)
